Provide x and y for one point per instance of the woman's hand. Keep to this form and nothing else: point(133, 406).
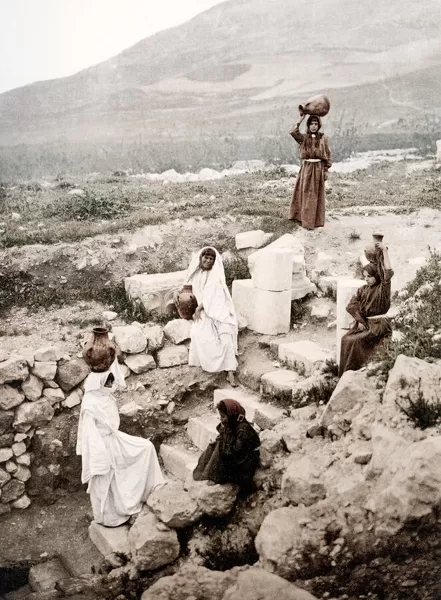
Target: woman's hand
point(361, 327)
point(381, 246)
point(197, 313)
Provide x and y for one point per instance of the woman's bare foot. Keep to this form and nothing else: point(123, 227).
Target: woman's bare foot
point(231, 377)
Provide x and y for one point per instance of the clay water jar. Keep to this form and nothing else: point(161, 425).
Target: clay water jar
point(186, 302)
point(317, 105)
point(99, 352)
point(370, 251)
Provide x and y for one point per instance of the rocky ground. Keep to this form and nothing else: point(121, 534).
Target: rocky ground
point(382, 199)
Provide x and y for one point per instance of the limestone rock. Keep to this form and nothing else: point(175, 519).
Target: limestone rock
point(54, 395)
point(354, 388)
point(250, 239)
point(279, 383)
point(43, 576)
point(45, 370)
point(140, 363)
point(174, 506)
point(6, 454)
point(22, 474)
point(256, 583)
point(178, 330)
point(10, 397)
point(155, 337)
point(6, 418)
point(320, 311)
point(152, 544)
point(24, 459)
point(265, 311)
point(71, 373)
point(272, 268)
point(192, 583)
point(131, 409)
point(212, 500)
point(302, 482)
point(291, 434)
point(48, 354)
point(32, 414)
point(130, 339)
point(13, 369)
point(32, 388)
point(304, 355)
point(4, 477)
point(12, 490)
point(11, 467)
point(361, 452)
point(74, 398)
point(387, 448)
point(21, 503)
point(110, 315)
point(110, 539)
point(18, 448)
point(6, 440)
point(172, 356)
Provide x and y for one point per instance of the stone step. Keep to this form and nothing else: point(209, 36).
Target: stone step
point(261, 413)
point(202, 430)
point(110, 540)
point(303, 356)
point(178, 461)
point(279, 383)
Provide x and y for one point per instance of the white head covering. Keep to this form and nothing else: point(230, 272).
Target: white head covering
point(216, 272)
point(96, 381)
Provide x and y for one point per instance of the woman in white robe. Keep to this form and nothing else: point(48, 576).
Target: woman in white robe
point(214, 330)
point(120, 469)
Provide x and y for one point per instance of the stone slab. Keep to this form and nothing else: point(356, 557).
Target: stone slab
point(178, 461)
point(155, 291)
point(202, 430)
point(303, 355)
point(110, 539)
point(266, 312)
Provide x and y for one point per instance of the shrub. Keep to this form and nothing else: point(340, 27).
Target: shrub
point(423, 413)
point(92, 206)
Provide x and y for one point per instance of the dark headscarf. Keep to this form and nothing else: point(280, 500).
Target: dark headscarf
point(312, 118)
point(209, 252)
point(234, 411)
point(373, 271)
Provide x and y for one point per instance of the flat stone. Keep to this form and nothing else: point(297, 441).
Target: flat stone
point(71, 373)
point(54, 395)
point(74, 398)
point(178, 461)
point(10, 397)
point(152, 546)
point(32, 388)
point(178, 330)
point(140, 363)
point(250, 239)
point(43, 576)
point(155, 291)
point(172, 356)
point(32, 414)
point(279, 383)
point(48, 354)
point(45, 370)
point(202, 430)
point(303, 355)
point(130, 339)
point(18, 448)
point(110, 539)
point(13, 369)
point(174, 506)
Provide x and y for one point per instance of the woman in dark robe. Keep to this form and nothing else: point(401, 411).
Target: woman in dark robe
point(234, 456)
point(371, 300)
point(308, 201)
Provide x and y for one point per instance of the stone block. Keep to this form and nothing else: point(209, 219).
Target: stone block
point(304, 355)
point(250, 239)
point(249, 402)
point(279, 383)
point(18, 448)
point(301, 286)
point(155, 291)
point(14, 369)
point(202, 430)
point(152, 544)
point(32, 414)
point(266, 312)
point(32, 388)
point(177, 330)
point(6, 454)
point(140, 363)
point(130, 339)
point(71, 373)
point(178, 461)
point(288, 241)
point(212, 500)
point(45, 370)
point(48, 354)
point(43, 576)
point(22, 474)
point(267, 416)
point(174, 506)
point(10, 397)
point(172, 356)
point(346, 288)
point(110, 539)
point(54, 395)
point(271, 270)
point(155, 337)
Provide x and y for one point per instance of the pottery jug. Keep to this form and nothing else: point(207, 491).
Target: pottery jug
point(186, 302)
point(99, 352)
point(370, 251)
point(317, 105)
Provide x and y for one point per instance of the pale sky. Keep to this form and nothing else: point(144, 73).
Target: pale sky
point(46, 39)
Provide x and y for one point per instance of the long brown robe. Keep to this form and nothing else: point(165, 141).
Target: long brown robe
point(357, 347)
point(233, 457)
point(308, 201)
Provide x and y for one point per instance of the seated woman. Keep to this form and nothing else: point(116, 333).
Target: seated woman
point(214, 329)
point(234, 456)
point(371, 300)
point(121, 470)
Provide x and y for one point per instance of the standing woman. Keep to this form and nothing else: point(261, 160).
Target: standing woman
point(308, 201)
point(120, 469)
point(213, 345)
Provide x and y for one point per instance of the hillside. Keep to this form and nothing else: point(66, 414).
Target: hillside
point(242, 59)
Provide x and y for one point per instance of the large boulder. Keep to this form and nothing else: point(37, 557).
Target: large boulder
point(45, 370)
point(32, 414)
point(152, 544)
point(130, 339)
point(71, 373)
point(14, 369)
point(192, 582)
point(10, 397)
point(174, 506)
point(256, 583)
point(302, 482)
